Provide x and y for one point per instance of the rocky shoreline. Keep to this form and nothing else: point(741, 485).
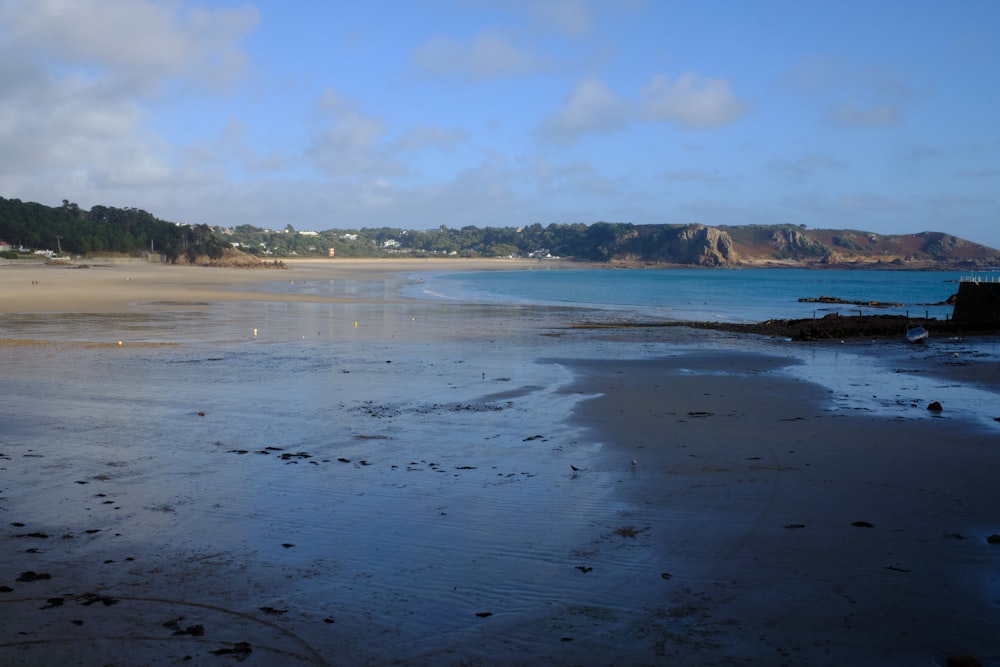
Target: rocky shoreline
point(830, 327)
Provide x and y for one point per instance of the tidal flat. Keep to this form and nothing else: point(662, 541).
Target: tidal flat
point(377, 480)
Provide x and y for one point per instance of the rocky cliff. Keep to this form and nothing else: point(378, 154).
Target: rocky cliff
point(787, 245)
point(702, 246)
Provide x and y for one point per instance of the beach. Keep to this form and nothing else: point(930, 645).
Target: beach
point(200, 466)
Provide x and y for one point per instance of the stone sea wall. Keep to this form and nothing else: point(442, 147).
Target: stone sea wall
point(977, 301)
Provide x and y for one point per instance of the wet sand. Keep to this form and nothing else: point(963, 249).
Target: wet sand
point(112, 288)
point(457, 484)
point(798, 534)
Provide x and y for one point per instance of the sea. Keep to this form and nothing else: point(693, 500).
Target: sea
point(877, 376)
point(718, 295)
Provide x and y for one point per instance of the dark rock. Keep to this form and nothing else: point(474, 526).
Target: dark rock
point(88, 599)
point(197, 630)
point(963, 661)
point(240, 650)
point(273, 611)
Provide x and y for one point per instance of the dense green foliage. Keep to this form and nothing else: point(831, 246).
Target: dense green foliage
point(579, 241)
point(103, 229)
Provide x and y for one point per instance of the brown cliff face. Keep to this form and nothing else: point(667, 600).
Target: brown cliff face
point(794, 240)
point(790, 245)
point(703, 246)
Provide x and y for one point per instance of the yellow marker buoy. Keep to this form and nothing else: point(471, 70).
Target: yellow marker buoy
point(254, 332)
point(119, 343)
point(355, 325)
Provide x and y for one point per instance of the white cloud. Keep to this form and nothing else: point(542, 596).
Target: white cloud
point(79, 78)
point(804, 167)
point(138, 169)
point(572, 18)
point(571, 180)
point(855, 97)
point(691, 101)
point(828, 211)
point(813, 74)
point(348, 141)
point(130, 35)
point(490, 55)
point(592, 108)
point(423, 137)
point(849, 114)
point(817, 75)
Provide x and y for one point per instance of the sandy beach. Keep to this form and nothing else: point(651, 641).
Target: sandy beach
point(350, 477)
point(96, 287)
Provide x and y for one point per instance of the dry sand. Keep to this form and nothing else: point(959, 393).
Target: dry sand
point(756, 526)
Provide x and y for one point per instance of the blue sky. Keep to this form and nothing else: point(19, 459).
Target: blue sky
point(880, 116)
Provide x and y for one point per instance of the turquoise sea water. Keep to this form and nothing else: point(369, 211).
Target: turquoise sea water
point(747, 295)
point(755, 295)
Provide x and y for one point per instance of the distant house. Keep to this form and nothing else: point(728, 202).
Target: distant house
point(4, 246)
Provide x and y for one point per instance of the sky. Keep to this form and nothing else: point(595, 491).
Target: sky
point(845, 114)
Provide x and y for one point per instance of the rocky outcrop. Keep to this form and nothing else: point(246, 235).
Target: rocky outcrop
point(791, 242)
point(235, 259)
point(702, 246)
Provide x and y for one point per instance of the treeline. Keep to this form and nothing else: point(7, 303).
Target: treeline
point(599, 241)
point(103, 229)
point(69, 229)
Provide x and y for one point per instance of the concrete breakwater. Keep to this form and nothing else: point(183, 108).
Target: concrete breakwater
point(978, 302)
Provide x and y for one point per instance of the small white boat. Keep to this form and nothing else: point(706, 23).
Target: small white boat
point(916, 334)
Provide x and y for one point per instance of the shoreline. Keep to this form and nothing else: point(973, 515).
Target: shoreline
point(126, 287)
point(118, 288)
